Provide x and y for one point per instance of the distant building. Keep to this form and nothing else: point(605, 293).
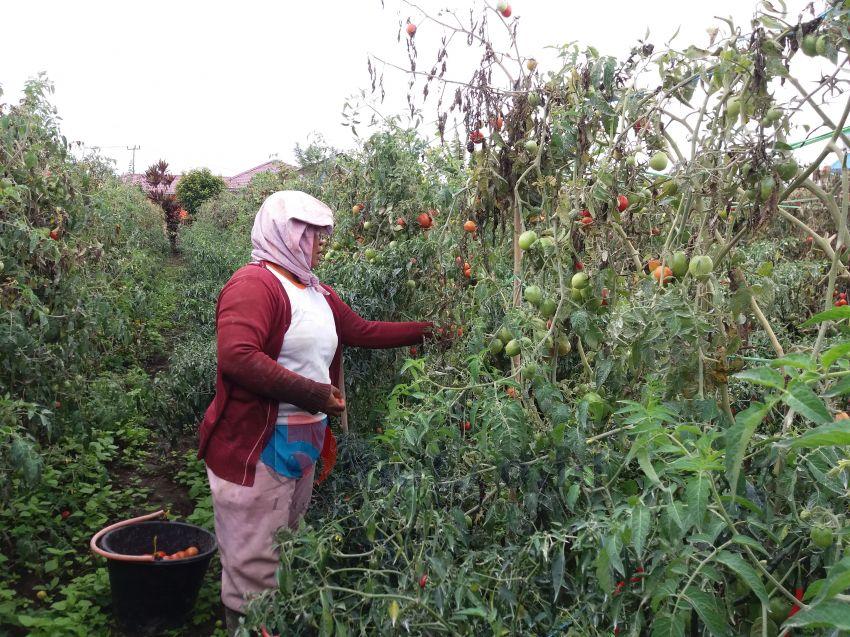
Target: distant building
point(234, 183)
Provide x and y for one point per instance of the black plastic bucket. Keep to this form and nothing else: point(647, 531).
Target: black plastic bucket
point(148, 597)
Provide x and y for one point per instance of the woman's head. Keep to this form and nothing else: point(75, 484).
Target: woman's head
point(288, 231)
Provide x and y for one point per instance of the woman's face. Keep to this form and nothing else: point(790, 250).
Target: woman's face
point(318, 246)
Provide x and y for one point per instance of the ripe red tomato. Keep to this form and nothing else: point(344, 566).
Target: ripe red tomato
point(586, 221)
point(622, 202)
point(411, 29)
point(476, 137)
point(585, 213)
point(424, 220)
point(54, 234)
point(423, 581)
point(470, 226)
point(579, 266)
point(400, 222)
point(414, 351)
point(506, 12)
point(65, 514)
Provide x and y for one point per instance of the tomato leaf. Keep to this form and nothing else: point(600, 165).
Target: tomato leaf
point(831, 613)
point(558, 572)
point(746, 572)
point(832, 314)
point(696, 495)
point(764, 376)
point(842, 350)
point(709, 611)
point(800, 397)
point(669, 626)
point(840, 388)
point(738, 439)
point(640, 523)
point(833, 434)
point(795, 360)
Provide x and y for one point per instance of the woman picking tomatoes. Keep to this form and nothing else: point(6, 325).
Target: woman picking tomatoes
point(280, 333)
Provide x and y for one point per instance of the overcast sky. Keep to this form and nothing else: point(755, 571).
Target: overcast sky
point(228, 85)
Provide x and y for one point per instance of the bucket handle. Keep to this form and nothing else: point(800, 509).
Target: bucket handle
point(118, 556)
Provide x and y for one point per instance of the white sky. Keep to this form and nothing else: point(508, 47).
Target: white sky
point(227, 85)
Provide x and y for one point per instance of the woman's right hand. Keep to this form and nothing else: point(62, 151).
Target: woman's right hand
point(336, 403)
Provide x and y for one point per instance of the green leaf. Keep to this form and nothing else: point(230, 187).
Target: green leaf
point(828, 614)
point(640, 523)
point(795, 360)
point(840, 388)
point(762, 376)
point(696, 495)
point(832, 314)
point(833, 434)
point(837, 581)
point(646, 466)
point(745, 540)
point(738, 439)
point(669, 626)
point(842, 350)
point(746, 572)
point(709, 611)
point(800, 397)
point(558, 572)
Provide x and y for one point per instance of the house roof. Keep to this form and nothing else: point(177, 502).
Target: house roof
point(242, 179)
point(236, 182)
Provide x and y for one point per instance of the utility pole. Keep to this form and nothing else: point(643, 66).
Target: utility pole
point(133, 160)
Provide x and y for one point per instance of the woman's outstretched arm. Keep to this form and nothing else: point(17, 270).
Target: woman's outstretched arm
point(358, 332)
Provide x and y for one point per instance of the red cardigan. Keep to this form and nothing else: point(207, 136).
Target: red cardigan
point(252, 316)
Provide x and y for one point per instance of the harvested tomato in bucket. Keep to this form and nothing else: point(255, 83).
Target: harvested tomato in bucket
point(156, 569)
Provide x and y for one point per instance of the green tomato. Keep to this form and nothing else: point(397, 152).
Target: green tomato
point(779, 608)
point(679, 264)
point(773, 115)
point(411, 284)
point(513, 348)
point(564, 346)
point(787, 170)
point(658, 162)
point(367, 225)
point(370, 254)
point(575, 294)
point(596, 407)
point(534, 100)
point(530, 371)
point(630, 161)
point(701, 266)
point(504, 335)
point(580, 280)
point(766, 187)
point(810, 45)
point(533, 294)
point(527, 239)
point(821, 536)
point(820, 45)
point(548, 308)
point(733, 107)
point(392, 244)
point(531, 146)
point(496, 347)
point(669, 188)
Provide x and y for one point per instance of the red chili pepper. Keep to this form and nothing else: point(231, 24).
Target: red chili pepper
point(798, 593)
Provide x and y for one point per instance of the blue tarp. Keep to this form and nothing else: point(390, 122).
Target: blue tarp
point(836, 167)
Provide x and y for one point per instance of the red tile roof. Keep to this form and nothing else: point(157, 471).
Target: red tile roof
point(235, 182)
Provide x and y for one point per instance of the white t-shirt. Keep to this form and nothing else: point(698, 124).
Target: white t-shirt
point(310, 342)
